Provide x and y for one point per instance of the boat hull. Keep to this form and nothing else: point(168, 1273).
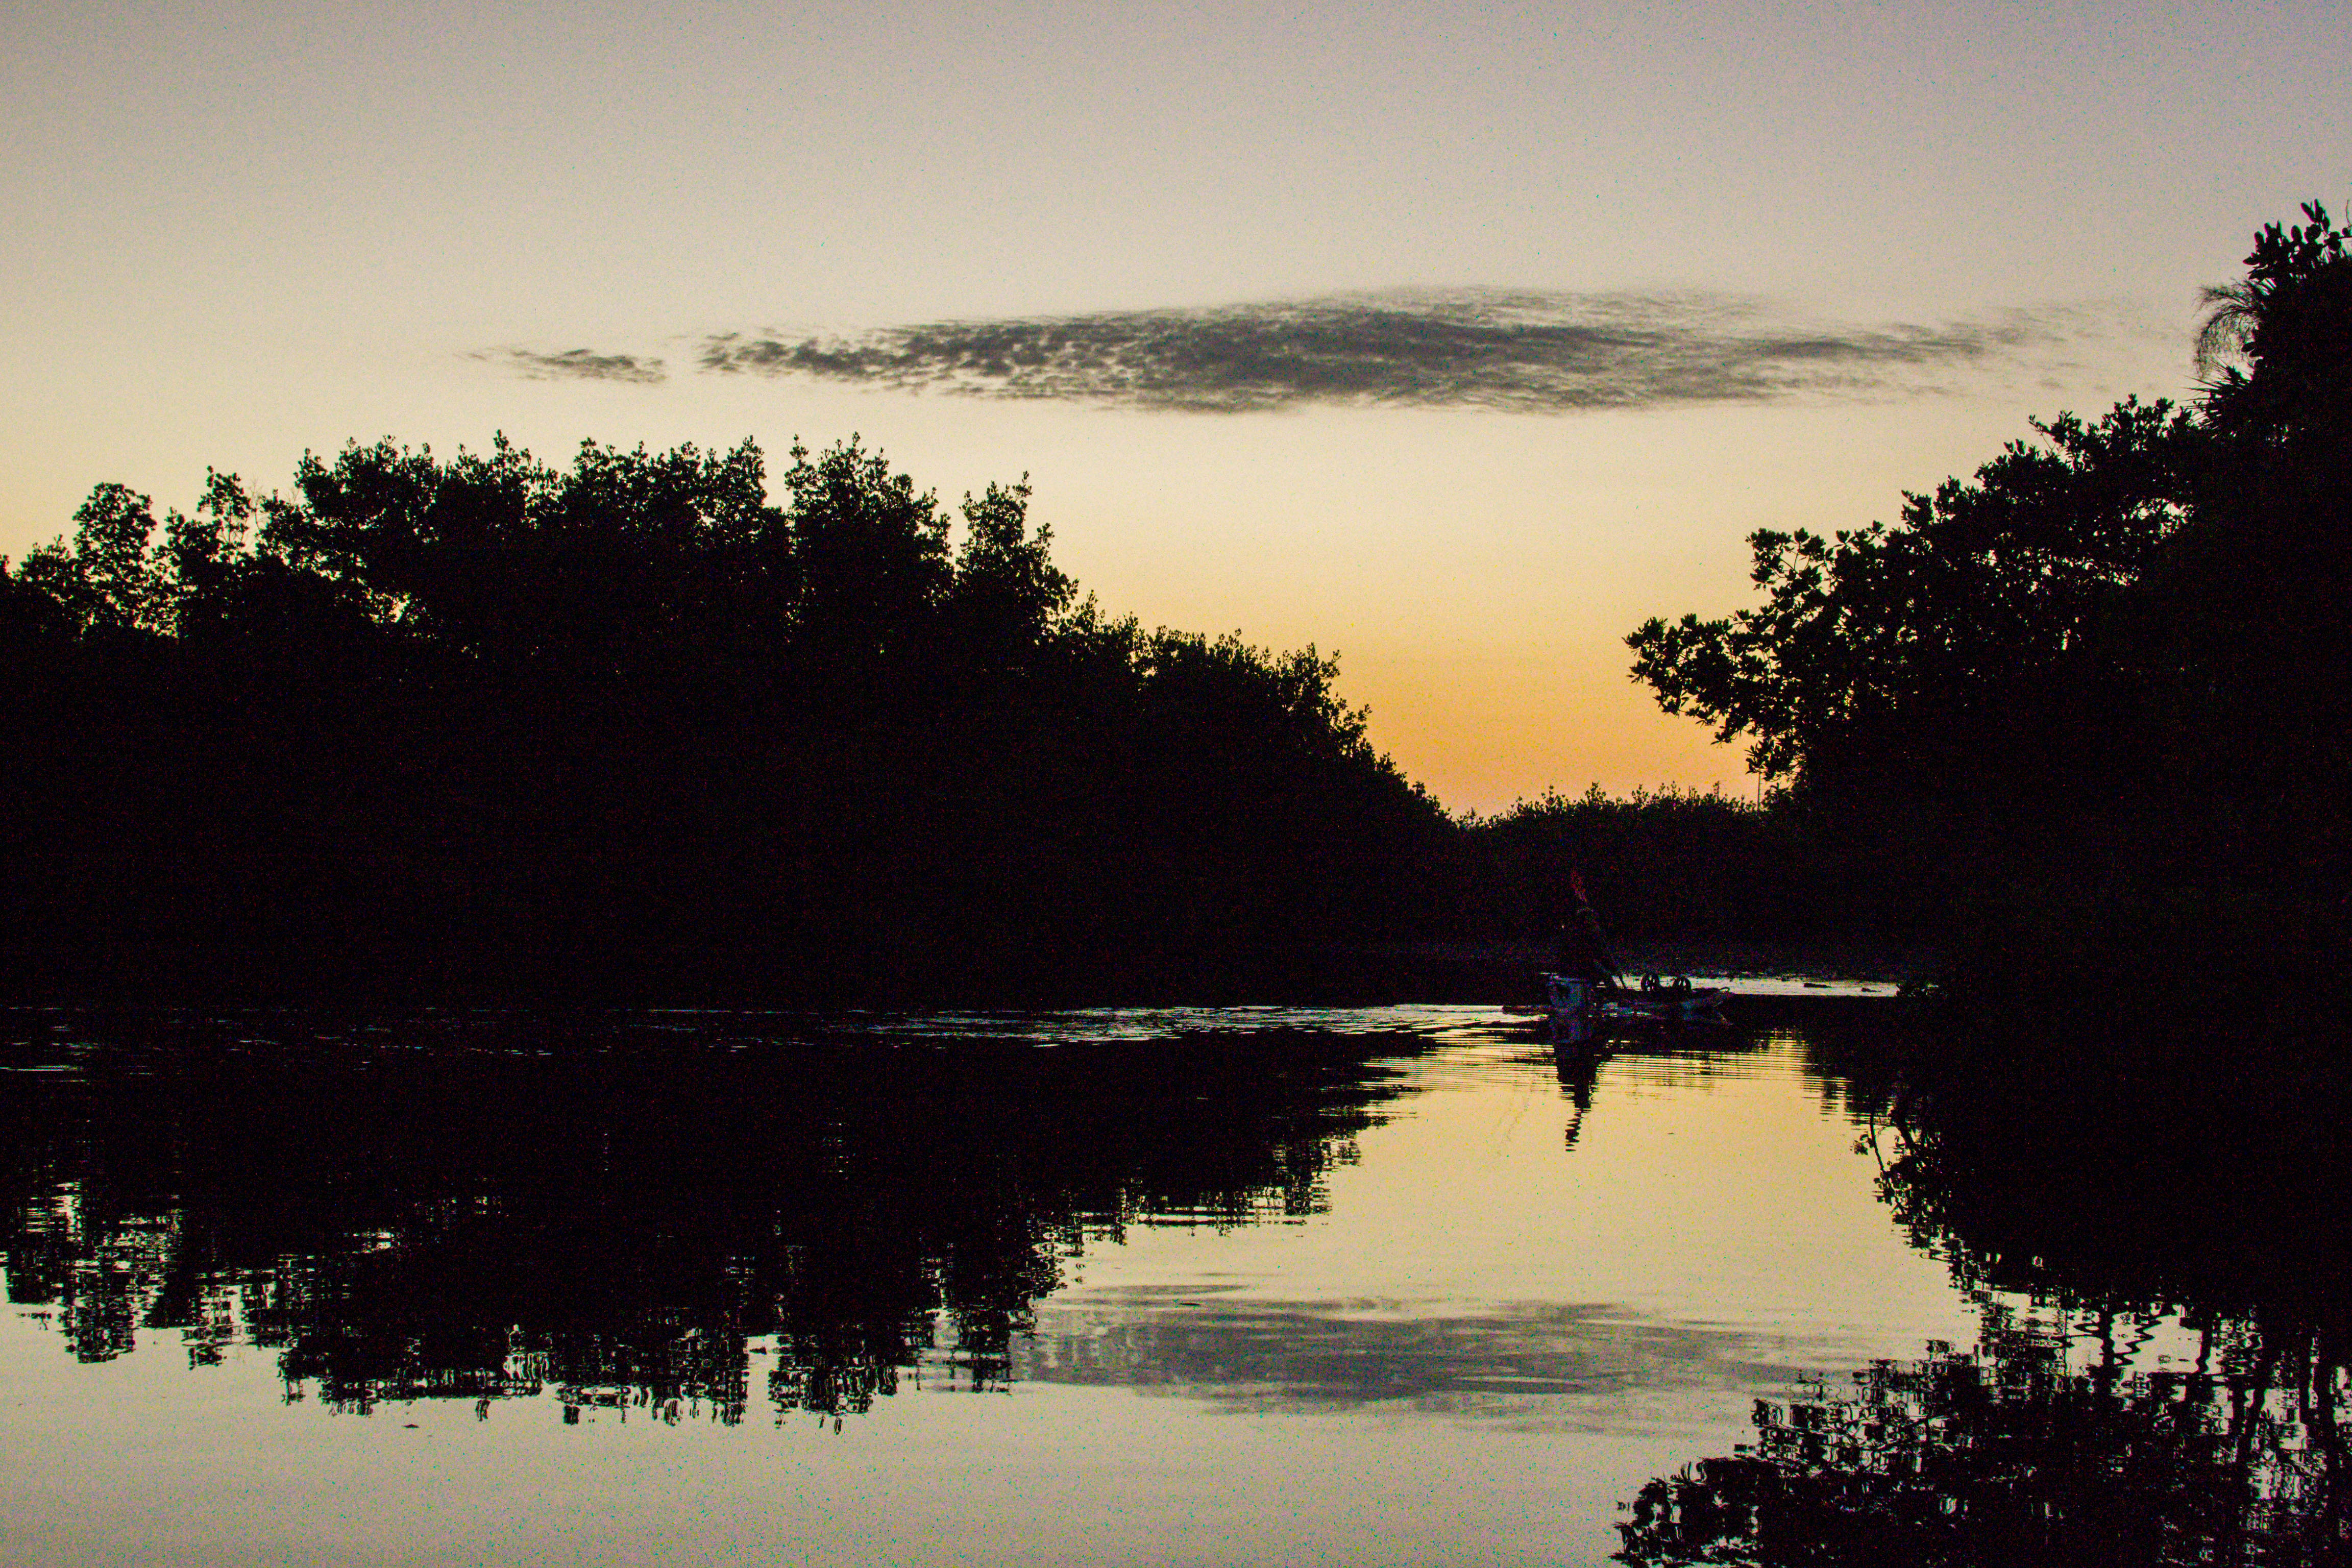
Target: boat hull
point(1568, 996)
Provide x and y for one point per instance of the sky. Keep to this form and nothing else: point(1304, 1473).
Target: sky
point(1455, 339)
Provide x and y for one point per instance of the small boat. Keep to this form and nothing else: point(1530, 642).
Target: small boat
point(1658, 1001)
point(1584, 996)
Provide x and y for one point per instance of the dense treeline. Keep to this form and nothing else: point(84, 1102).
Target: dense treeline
point(479, 725)
point(634, 728)
point(1669, 865)
point(2089, 708)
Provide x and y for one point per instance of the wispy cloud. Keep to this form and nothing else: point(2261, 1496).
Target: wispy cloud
point(1530, 352)
point(579, 364)
point(1474, 348)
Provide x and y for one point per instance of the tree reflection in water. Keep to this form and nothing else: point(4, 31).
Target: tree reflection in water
point(2160, 1373)
point(617, 1211)
point(2024, 1451)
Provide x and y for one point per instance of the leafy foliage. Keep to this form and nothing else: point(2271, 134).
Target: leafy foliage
point(1983, 582)
point(485, 723)
point(2091, 705)
point(2280, 339)
point(1663, 864)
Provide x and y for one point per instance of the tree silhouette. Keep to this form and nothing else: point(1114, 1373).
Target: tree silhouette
point(1871, 643)
point(2088, 706)
point(485, 724)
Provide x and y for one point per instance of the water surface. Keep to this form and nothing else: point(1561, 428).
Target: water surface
point(1249, 1286)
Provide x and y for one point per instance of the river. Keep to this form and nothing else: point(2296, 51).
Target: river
point(1381, 1286)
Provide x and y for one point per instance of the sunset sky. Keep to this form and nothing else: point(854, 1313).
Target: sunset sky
point(1457, 338)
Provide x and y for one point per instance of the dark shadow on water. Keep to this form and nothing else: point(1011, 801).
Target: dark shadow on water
point(2047, 1442)
point(737, 1217)
point(2152, 1234)
point(614, 1209)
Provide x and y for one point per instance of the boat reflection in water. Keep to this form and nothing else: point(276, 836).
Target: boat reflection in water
point(1244, 1286)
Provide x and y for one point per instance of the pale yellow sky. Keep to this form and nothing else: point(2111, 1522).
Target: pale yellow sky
point(238, 231)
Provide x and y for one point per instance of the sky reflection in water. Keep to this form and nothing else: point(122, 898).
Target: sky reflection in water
point(1232, 1287)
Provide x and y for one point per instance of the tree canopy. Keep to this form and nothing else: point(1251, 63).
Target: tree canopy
point(2105, 681)
point(1981, 584)
point(483, 716)
point(662, 713)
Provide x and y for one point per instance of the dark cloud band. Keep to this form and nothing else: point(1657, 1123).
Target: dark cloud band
point(1524, 352)
point(581, 365)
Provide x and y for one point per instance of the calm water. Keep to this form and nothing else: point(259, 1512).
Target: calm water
point(1396, 1286)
